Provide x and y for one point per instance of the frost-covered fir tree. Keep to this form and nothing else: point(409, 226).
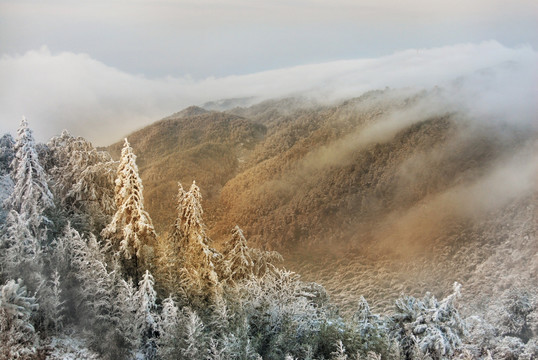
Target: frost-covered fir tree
point(31, 195)
point(196, 256)
point(20, 252)
point(427, 327)
point(369, 330)
point(52, 303)
point(7, 153)
point(168, 328)
point(146, 322)
point(236, 262)
point(189, 225)
point(193, 341)
point(83, 181)
point(105, 301)
point(18, 339)
point(131, 226)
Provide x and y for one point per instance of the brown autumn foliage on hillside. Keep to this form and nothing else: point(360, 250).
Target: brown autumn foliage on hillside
point(291, 172)
point(194, 144)
point(331, 175)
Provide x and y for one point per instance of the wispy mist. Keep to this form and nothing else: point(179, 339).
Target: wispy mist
point(89, 98)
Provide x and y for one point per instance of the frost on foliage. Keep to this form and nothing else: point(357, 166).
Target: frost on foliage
point(50, 298)
point(18, 339)
point(369, 329)
point(236, 258)
point(340, 352)
point(427, 326)
point(131, 225)
point(7, 153)
point(96, 283)
point(239, 262)
point(281, 309)
point(168, 327)
point(20, 251)
point(193, 340)
point(196, 257)
point(513, 317)
point(6, 188)
point(145, 317)
point(83, 178)
point(57, 304)
point(105, 301)
point(31, 194)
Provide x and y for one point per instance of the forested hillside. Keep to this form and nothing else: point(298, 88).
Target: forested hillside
point(409, 224)
point(193, 144)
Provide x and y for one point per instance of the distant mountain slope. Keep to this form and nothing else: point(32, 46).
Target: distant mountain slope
point(325, 174)
point(386, 193)
point(193, 144)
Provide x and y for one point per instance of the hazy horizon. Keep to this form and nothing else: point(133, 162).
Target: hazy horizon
point(57, 91)
point(121, 65)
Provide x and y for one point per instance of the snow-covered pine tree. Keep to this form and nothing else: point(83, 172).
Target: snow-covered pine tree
point(21, 253)
point(7, 153)
point(124, 315)
point(193, 341)
point(369, 330)
point(83, 180)
point(105, 301)
point(131, 226)
point(284, 313)
point(96, 283)
point(236, 263)
point(189, 225)
point(170, 255)
point(146, 322)
point(427, 327)
point(196, 255)
point(168, 327)
point(18, 339)
point(52, 303)
point(31, 195)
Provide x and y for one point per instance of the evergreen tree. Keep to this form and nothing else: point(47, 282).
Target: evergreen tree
point(7, 153)
point(52, 303)
point(196, 256)
point(146, 322)
point(18, 338)
point(20, 254)
point(168, 328)
point(31, 195)
point(83, 181)
point(427, 327)
point(177, 235)
point(96, 284)
point(237, 263)
point(131, 225)
point(193, 341)
point(106, 305)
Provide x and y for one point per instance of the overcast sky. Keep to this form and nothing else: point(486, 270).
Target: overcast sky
point(65, 62)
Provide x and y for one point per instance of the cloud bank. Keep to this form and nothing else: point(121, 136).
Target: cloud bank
point(90, 99)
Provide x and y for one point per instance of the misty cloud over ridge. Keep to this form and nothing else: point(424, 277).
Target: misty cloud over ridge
point(90, 99)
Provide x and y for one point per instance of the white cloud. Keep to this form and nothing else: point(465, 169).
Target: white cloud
point(91, 99)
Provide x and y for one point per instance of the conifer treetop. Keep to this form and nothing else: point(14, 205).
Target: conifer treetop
point(131, 224)
point(31, 194)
